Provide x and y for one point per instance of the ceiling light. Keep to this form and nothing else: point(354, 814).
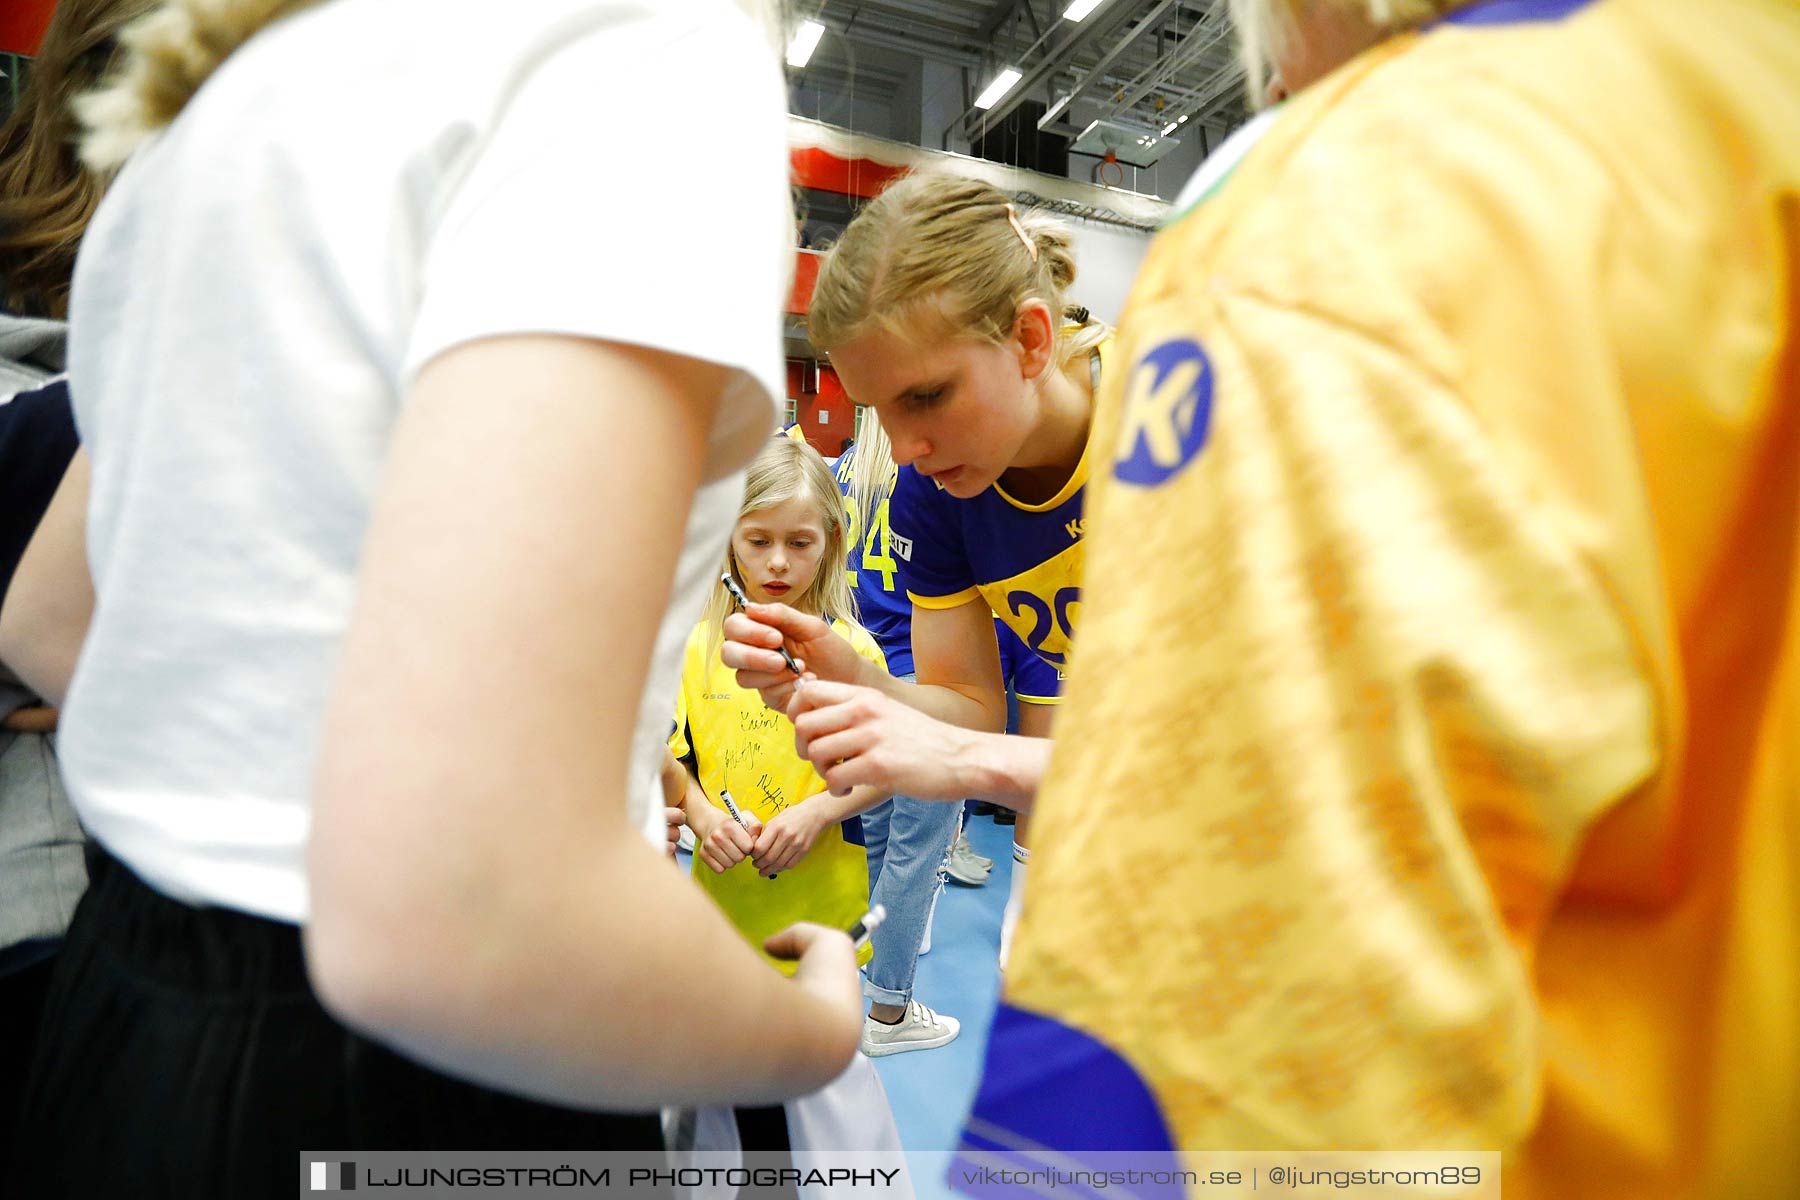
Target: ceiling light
point(1080, 9)
point(1181, 120)
point(1055, 110)
point(1003, 83)
point(806, 39)
point(1171, 127)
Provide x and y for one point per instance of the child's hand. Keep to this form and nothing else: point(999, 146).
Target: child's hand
point(727, 844)
point(785, 840)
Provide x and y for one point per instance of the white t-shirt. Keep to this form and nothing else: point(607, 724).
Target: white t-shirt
point(357, 189)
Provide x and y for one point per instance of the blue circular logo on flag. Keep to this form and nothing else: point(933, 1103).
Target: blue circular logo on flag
point(1166, 415)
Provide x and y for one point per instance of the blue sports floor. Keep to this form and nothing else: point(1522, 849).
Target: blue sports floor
point(930, 1090)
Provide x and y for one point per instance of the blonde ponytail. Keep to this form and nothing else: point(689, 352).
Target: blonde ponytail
point(169, 53)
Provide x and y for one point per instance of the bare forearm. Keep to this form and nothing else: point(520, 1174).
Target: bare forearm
point(1005, 769)
point(674, 780)
point(833, 809)
point(502, 915)
point(51, 599)
point(541, 981)
point(696, 809)
point(38, 719)
point(967, 708)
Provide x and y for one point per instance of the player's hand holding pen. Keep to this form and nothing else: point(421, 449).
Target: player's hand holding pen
point(858, 736)
point(767, 644)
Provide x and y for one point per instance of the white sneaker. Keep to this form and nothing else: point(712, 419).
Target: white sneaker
point(918, 1029)
point(966, 866)
point(962, 843)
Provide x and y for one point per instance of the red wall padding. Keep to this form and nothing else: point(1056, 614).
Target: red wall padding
point(827, 417)
point(821, 169)
point(22, 24)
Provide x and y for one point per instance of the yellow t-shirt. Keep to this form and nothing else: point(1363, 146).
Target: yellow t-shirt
point(745, 748)
point(1458, 435)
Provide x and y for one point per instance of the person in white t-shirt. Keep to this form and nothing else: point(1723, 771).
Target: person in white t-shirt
point(388, 389)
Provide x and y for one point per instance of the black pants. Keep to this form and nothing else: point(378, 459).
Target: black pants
point(184, 1056)
point(21, 1009)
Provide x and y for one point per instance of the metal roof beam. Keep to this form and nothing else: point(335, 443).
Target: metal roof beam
point(887, 39)
point(973, 120)
point(935, 14)
point(1227, 91)
point(996, 17)
point(1163, 70)
point(1097, 73)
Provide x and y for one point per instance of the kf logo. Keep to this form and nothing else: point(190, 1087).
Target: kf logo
point(1167, 413)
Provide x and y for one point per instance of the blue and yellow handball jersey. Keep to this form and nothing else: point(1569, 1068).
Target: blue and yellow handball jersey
point(1026, 676)
point(1023, 560)
point(882, 606)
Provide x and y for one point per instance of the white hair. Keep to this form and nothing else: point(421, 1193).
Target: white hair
point(1264, 27)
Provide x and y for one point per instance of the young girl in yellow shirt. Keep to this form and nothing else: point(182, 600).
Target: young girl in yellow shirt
point(793, 851)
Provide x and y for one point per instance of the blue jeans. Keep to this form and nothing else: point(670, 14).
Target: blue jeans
point(908, 841)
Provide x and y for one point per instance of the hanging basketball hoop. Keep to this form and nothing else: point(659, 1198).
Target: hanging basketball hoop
point(1111, 160)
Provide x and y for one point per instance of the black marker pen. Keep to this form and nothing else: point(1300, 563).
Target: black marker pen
point(738, 816)
point(732, 808)
point(743, 602)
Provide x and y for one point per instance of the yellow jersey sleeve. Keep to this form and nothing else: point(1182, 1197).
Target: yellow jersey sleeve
point(943, 603)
